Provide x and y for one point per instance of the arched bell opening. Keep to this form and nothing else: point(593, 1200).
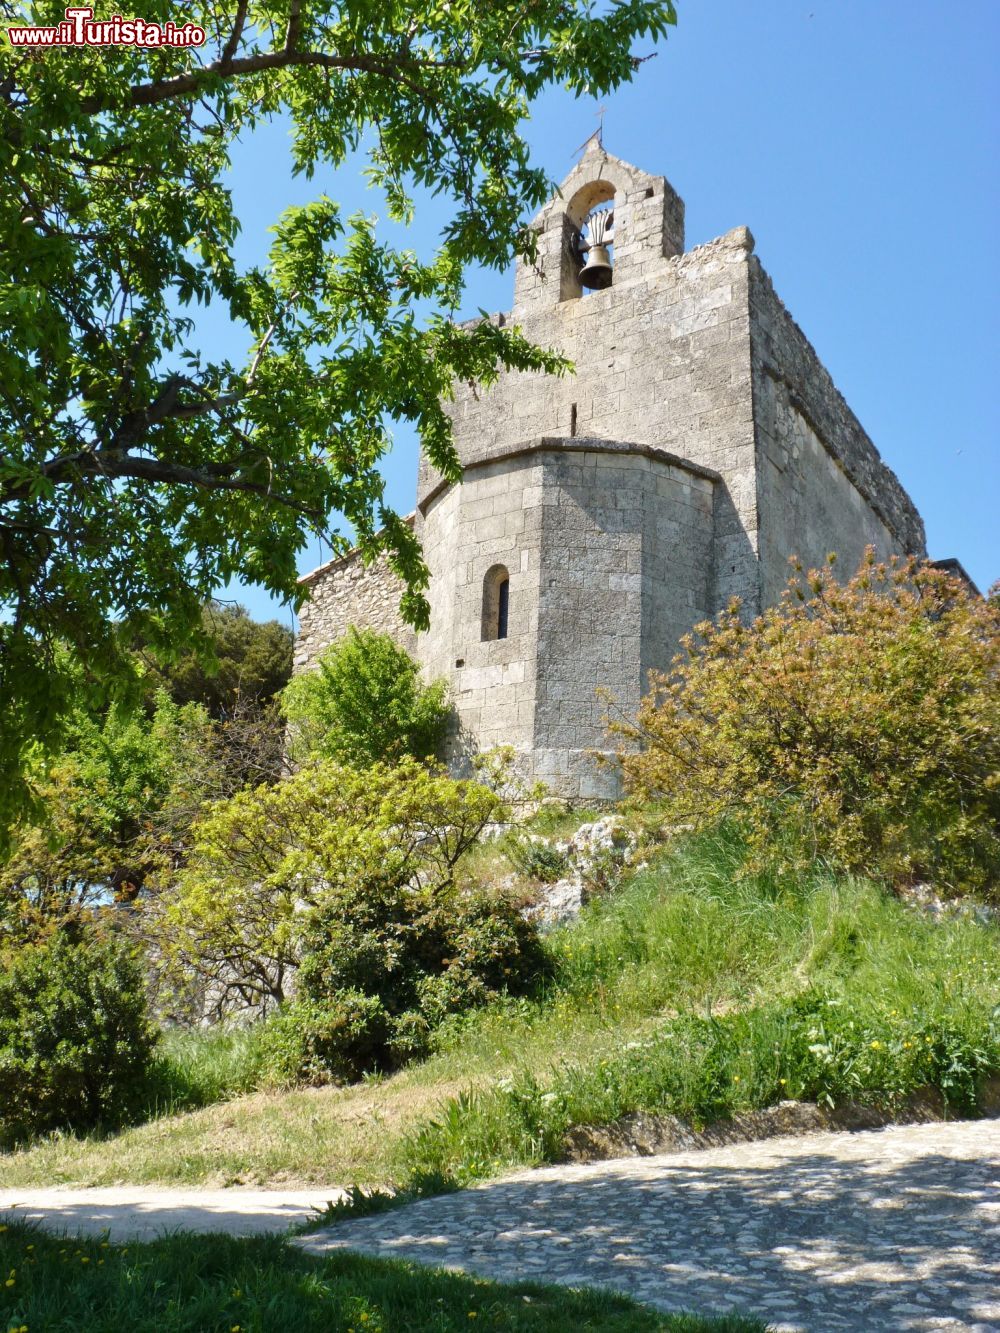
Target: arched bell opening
point(589, 223)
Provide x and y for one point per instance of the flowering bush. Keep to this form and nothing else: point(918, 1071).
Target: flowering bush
point(856, 723)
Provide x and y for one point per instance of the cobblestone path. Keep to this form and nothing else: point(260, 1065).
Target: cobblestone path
point(896, 1229)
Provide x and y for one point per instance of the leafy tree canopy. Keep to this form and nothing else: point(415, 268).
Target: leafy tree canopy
point(364, 704)
point(138, 471)
point(250, 663)
point(115, 803)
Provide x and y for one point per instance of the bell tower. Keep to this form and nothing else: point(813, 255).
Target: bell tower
point(605, 210)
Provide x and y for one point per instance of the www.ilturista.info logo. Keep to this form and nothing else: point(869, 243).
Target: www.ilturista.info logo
point(80, 28)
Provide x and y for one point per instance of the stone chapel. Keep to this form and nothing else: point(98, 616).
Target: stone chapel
point(698, 446)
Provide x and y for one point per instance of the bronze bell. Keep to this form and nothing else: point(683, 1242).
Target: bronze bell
point(596, 273)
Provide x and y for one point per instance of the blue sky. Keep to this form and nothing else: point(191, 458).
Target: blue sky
point(858, 141)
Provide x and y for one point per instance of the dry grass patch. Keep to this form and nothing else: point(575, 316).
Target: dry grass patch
point(313, 1136)
point(327, 1136)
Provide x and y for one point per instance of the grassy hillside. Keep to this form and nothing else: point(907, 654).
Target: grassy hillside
point(689, 992)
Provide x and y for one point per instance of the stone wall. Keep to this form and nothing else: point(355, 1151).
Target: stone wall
point(608, 550)
point(822, 485)
point(493, 518)
point(698, 444)
point(663, 360)
point(626, 570)
point(347, 592)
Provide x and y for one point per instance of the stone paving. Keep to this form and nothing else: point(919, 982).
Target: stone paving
point(895, 1229)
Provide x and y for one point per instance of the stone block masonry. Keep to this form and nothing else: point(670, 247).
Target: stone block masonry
point(348, 592)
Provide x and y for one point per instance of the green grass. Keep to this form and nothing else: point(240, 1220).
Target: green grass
point(691, 992)
point(217, 1284)
point(200, 1066)
point(731, 995)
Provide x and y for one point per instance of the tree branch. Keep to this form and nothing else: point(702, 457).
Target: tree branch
point(229, 50)
point(259, 355)
point(165, 90)
point(294, 25)
point(118, 465)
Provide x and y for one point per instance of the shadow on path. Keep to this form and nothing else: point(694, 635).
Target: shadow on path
point(892, 1229)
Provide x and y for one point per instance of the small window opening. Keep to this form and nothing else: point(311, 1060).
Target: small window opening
point(496, 603)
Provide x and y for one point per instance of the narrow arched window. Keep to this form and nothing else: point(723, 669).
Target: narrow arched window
point(496, 603)
point(503, 599)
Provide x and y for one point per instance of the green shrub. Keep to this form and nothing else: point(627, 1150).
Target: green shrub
point(76, 1044)
point(393, 944)
point(410, 1038)
point(858, 724)
point(420, 953)
point(364, 704)
point(352, 837)
point(307, 1042)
